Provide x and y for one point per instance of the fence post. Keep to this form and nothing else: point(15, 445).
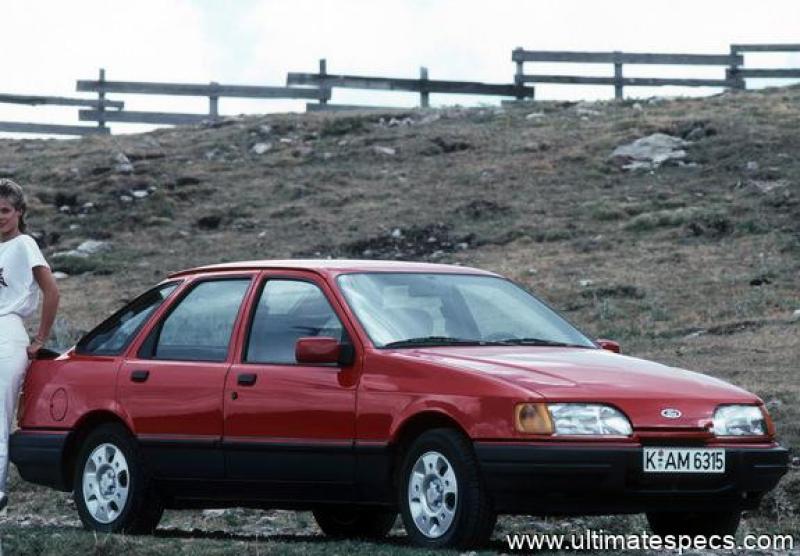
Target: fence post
point(732, 73)
point(519, 73)
point(213, 101)
point(424, 95)
point(323, 72)
point(101, 100)
point(618, 75)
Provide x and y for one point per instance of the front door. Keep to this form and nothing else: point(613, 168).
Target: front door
point(290, 426)
point(171, 386)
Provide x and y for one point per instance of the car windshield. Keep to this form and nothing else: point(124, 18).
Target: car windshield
point(414, 309)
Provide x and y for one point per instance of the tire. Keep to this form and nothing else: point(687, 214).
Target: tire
point(694, 523)
point(112, 489)
point(354, 522)
point(442, 497)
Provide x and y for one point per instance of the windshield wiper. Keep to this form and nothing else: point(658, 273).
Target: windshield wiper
point(437, 341)
point(535, 342)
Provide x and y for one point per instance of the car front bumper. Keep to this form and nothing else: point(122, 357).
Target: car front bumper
point(587, 479)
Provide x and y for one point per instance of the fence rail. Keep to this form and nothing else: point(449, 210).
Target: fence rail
point(731, 62)
point(214, 91)
point(424, 85)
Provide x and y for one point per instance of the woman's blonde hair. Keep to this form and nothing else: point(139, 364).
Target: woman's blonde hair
point(12, 192)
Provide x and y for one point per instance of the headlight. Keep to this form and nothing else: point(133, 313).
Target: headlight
point(589, 419)
point(742, 420)
point(571, 419)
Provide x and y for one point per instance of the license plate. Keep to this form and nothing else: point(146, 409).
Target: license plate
point(684, 460)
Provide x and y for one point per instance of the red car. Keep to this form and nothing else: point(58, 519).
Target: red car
point(359, 389)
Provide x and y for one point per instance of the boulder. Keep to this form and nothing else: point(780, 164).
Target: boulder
point(649, 152)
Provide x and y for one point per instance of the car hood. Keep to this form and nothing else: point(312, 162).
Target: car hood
point(642, 389)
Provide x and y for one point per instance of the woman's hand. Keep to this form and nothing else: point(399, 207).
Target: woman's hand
point(33, 348)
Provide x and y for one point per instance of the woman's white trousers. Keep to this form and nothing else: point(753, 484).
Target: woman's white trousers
point(13, 364)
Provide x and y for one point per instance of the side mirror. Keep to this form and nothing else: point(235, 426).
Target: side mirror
point(609, 345)
point(321, 349)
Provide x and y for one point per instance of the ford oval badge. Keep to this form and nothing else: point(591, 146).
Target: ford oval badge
point(670, 413)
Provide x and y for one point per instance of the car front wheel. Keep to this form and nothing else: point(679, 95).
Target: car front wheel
point(443, 501)
point(112, 489)
point(694, 523)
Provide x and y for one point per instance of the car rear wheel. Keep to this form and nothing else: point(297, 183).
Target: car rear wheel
point(112, 489)
point(350, 522)
point(694, 523)
point(443, 501)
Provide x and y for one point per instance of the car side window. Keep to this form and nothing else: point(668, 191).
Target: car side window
point(288, 310)
point(116, 332)
point(199, 328)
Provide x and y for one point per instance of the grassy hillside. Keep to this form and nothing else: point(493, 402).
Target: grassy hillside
point(695, 264)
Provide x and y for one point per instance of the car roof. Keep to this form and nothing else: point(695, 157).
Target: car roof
point(335, 266)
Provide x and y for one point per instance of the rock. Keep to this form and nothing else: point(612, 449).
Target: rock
point(210, 222)
point(535, 116)
point(586, 109)
point(649, 152)
point(765, 186)
point(86, 249)
point(187, 180)
point(261, 148)
point(93, 246)
point(60, 275)
point(752, 166)
point(124, 168)
point(64, 208)
point(400, 122)
point(384, 151)
point(140, 193)
point(123, 164)
point(125, 198)
point(696, 134)
point(429, 119)
point(638, 107)
point(397, 233)
point(74, 227)
point(585, 283)
point(795, 316)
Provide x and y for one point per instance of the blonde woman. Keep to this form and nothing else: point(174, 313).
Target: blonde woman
point(23, 272)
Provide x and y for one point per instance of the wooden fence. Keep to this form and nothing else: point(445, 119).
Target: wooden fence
point(424, 86)
point(56, 129)
point(214, 91)
point(732, 63)
point(318, 86)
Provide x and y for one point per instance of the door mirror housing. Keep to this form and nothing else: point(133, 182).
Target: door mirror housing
point(609, 345)
point(321, 350)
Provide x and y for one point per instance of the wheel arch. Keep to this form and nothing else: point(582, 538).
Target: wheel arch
point(412, 427)
point(82, 428)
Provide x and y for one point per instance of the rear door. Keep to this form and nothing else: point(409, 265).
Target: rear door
point(171, 384)
point(291, 426)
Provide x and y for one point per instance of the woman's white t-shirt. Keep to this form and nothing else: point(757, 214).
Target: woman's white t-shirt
point(19, 291)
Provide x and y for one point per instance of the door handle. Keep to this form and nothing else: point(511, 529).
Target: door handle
point(139, 376)
point(246, 379)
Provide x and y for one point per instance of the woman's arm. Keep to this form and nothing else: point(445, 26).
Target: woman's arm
point(49, 289)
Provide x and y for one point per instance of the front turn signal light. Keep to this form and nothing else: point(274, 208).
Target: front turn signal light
point(533, 418)
point(769, 422)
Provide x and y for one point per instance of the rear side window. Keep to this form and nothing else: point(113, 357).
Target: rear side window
point(116, 332)
point(199, 328)
point(289, 310)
